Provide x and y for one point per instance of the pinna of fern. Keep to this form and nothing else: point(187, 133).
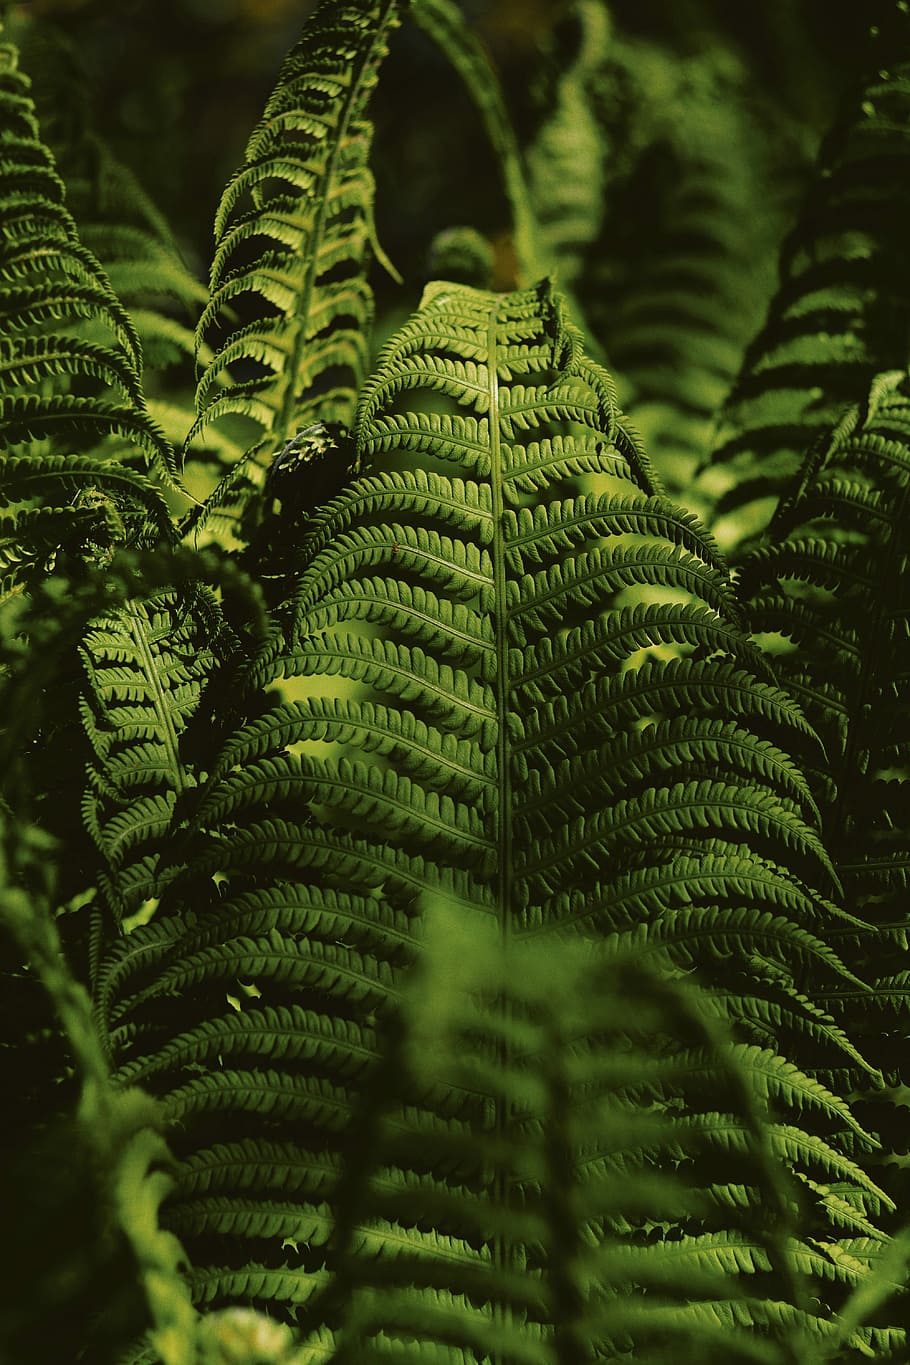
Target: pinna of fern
point(543, 706)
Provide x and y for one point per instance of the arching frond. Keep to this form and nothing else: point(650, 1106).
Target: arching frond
point(443, 21)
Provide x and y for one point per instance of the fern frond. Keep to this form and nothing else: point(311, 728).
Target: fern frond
point(293, 234)
point(511, 675)
point(840, 313)
point(830, 578)
point(677, 281)
point(70, 364)
point(117, 219)
point(146, 668)
point(566, 1175)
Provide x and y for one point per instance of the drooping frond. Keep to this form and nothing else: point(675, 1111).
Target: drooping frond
point(290, 305)
point(828, 592)
point(840, 314)
point(512, 675)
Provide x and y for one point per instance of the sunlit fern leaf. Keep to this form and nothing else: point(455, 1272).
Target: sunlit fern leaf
point(840, 314)
point(512, 675)
point(827, 591)
point(290, 305)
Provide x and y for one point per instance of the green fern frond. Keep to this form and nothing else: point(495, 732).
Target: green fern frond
point(70, 384)
point(50, 277)
point(509, 675)
point(566, 161)
point(830, 579)
point(840, 312)
point(678, 279)
point(566, 1173)
point(117, 219)
point(293, 234)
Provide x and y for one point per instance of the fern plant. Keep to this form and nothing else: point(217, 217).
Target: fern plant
point(392, 824)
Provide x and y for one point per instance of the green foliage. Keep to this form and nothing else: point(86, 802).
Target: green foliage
point(840, 313)
point(288, 294)
point(449, 915)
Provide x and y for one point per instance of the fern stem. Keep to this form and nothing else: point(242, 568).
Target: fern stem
point(504, 1114)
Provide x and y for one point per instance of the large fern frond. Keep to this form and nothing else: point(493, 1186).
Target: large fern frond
point(587, 1056)
point(511, 674)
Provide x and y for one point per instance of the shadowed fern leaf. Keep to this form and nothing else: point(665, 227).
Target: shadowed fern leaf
point(549, 1192)
point(147, 667)
point(840, 314)
point(680, 277)
point(117, 219)
point(828, 593)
